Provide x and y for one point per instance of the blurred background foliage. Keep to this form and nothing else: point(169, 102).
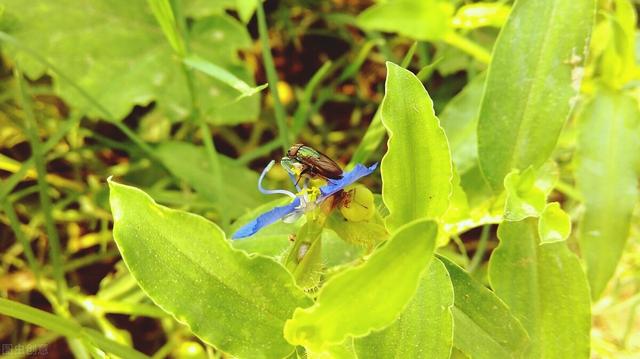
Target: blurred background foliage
point(95, 88)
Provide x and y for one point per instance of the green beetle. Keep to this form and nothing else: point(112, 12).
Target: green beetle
point(310, 162)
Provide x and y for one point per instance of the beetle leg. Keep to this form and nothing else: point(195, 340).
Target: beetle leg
point(302, 173)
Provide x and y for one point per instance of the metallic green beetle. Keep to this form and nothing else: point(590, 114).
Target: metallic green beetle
point(310, 162)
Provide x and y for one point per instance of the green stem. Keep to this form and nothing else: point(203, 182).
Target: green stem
point(569, 191)
point(480, 250)
point(66, 327)
point(207, 138)
point(409, 55)
point(15, 224)
point(55, 252)
point(476, 51)
point(272, 78)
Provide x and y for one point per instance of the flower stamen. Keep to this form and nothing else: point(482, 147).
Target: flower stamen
point(272, 191)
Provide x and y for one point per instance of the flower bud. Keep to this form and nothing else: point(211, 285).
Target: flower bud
point(357, 204)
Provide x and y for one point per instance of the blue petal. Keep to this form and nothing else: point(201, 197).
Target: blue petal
point(348, 178)
point(266, 219)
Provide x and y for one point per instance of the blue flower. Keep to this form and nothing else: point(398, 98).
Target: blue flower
point(301, 202)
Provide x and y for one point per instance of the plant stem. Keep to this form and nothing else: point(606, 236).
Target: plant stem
point(409, 55)
point(31, 127)
point(272, 78)
point(569, 191)
point(195, 116)
point(476, 51)
point(480, 250)
point(15, 224)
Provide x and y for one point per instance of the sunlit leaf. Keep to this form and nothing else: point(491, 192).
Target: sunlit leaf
point(117, 53)
point(184, 263)
point(416, 170)
point(425, 328)
point(417, 19)
point(527, 191)
point(608, 157)
point(475, 15)
point(370, 296)
point(483, 325)
point(544, 286)
point(554, 224)
point(534, 75)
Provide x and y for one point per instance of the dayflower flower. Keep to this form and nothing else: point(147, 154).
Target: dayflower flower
point(306, 200)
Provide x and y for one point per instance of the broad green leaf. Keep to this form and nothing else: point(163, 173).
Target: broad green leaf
point(483, 325)
point(417, 19)
point(368, 297)
point(459, 119)
point(546, 289)
point(554, 224)
point(235, 302)
point(189, 163)
point(532, 80)
point(117, 53)
point(424, 329)
point(416, 170)
point(527, 191)
point(608, 156)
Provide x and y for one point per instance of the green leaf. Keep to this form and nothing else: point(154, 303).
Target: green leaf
point(246, 8)
point(473, 16)
point(417, 19)
point(483, 325)
point(189, 163)
point(368, 297)
point(546, 289)
point(116, 52)
point(459, 120)
point(608, 156)
point(222, 75)
point(163, 13)
point(416, 170)
point(527, 191)
point(235, 302)
point(531, 84)
point(202, 8)
point(424, 329)
point(67, 328)
point(554, 224)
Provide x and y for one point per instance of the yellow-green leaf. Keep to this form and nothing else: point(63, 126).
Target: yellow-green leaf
point(368, 297)
point(425, 328)
point(416, 170)
point(235, 302)
point(608, 157)
point(532, 80)
point(554, 224)
point(483, 325)
point(544, 286)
